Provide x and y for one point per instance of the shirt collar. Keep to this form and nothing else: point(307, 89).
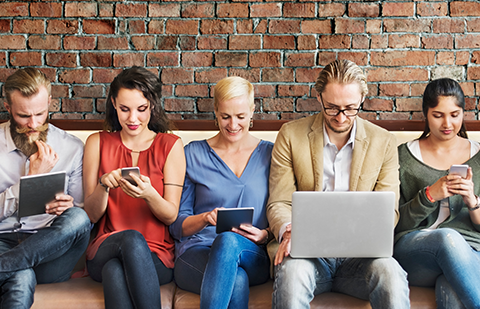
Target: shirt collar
point(351, 139)
point(10, 145)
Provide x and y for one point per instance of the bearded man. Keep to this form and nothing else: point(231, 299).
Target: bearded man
point(45, 247)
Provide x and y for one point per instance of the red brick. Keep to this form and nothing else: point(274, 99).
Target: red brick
point(279, 42)
point(266, 10)
point(205, 105)
point(12, 41)
point(82, 9)
point(179, 105)
point(372, 89)
point(468, 89)
point(96, 59)
point(162, 59)
point(368, 115)
point(402, 58)
point(470, 104)
point(57, 26)
point(316, 26)
point(45, 9)
point(309, 75)
point(284, 26)
point(306, 42)
point(167, 42)
point(374, 26)
point(4, 25)
point(264, 91)
point(396, 74)
point(61, 59)
point(437, 42)
point(143, 42)
point(105, 10)
point(473, 73)
point(432, 9)
point(360, 58)
point(197, 10)
point(231, 59)
point(409, 104)
point(78, 76)
point(3, 58)
point(244, 42)
point(210, 75)
point(360, 42)
point(245, 26)
point(363, 9)
point(177, 76)
point(164, 10)
point(293, 90)
point(105, 76)
point(394, 90)
point(467, 41)
point(462, 57)
point(4, 73)
point(398, 8)
point(305, 10)
point(403, 40)
point(78, 42)
point(447, 25)
point(88, 91)
point(181, 27)
point(379, 41)
point(331, 9)
point(325, 58)
point(212, 42)
point(300, 59)
point(156, 27)
point(293, 116)
point(277, 75)
point(191, 91)
point(406, 25)
point(473, 25)
point(445, 58)
point(131, 10)
point(345, 25)
point(308, 105)
point(252, 75)
point(417, 89)
point(25, 59)
point(394, 116)
point(99, 26)
point(66, 116)
point(77, 105)
point(128, 59)
point(261, 116)
point(265, 59)
point(50, 73)
point(136, 26)
point(197, 59)
point(95, 116)
point(60, 91)
point(44, 42)
point(11, 9)
point(232, 10)
point(108, 42)
point(278, 104)
point(216, 26)
point(334, 41)
point(187, 42)
point(28, 26)
point(464, 8)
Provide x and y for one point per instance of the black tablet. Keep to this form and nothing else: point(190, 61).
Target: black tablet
point(38, 190)
point(233, 217)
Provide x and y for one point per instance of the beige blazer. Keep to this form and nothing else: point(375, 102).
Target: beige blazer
point(297, 165)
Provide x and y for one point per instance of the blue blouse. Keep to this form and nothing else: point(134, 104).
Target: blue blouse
point(210, 183)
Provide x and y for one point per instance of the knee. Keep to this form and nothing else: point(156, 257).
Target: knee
point(226, 247)
point(449, 243)
point(112, 269)
point(387, 271)
point(76, 219)
point(294, 273)
point(131, 241)
point(18, 290)
point(227, 240)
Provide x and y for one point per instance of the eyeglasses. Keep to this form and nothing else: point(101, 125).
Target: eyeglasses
point(348, 112)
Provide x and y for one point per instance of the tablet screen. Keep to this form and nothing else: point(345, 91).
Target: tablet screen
point(233, 217)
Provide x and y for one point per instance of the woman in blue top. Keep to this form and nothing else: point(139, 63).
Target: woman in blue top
point(229, 170)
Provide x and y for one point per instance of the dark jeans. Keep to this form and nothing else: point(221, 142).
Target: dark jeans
point(45, 257)
point(130, 273)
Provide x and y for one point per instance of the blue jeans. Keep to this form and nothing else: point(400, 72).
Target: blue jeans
point(223, 273)
point(44, 257)
point(427, 255)
point(382, 281)
point(130, 273)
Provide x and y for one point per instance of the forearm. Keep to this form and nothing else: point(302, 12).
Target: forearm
point(193, 224)
point(96, 203)
point(162, 209)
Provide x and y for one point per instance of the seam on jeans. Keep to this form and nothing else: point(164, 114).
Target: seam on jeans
point(190, 265)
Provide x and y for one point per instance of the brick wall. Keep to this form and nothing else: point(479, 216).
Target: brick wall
point(280, 46)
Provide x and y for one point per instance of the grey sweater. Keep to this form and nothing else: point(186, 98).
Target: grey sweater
point(417, 212)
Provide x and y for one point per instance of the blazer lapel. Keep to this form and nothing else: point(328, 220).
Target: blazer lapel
point(358, 156)
point(315, 138)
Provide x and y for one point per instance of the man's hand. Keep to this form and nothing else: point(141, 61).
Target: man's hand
point(285, 246)
point(61, 203)
point(43, 160)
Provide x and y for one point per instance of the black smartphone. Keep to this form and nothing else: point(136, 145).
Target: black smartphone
point(126, 174)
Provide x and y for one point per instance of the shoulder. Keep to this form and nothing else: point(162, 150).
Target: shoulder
point(196, 147)
point(299, 124)
point(374, 130)
point(60, 136)
point(265, 146)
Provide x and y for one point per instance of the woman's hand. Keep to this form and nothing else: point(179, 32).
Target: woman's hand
point(143, 189)
point(252, 233)
point(463, 187)
point(112, 179)
point(210, 217)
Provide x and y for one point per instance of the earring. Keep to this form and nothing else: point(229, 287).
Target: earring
point(251, 122)
point(216, 122)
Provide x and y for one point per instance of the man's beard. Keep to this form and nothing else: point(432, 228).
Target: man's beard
point(26, 143)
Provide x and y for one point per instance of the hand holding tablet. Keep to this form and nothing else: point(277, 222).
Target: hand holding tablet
point(228, 218)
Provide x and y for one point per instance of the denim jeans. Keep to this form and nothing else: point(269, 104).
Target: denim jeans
point(44, 257)
point(130, 273)
point(223, 273)
point(382, 281)
point(427, 255)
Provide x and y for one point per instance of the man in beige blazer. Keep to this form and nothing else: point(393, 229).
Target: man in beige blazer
point(332, 151)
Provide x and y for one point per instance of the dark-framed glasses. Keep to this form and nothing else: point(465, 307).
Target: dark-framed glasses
point(348, 112)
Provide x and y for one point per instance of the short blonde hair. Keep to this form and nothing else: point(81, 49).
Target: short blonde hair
point(27, 81)
point(233, 87)
point(341, 72)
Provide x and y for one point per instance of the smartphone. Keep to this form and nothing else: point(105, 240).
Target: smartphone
point(459, 170)
point(126, 174)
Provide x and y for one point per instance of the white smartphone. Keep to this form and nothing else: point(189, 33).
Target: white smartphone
point(126, 174)
point(459, 170)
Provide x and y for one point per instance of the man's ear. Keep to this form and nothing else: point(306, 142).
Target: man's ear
point(49, 100)
point(7, 107)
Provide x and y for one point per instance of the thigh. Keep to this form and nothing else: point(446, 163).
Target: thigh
point(165, 274)
point(190, 267)
point(8, 241)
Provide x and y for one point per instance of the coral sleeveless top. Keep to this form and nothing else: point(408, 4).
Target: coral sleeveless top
point(128, 213)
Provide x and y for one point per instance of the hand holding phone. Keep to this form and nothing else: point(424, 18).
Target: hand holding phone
point(459, 170)
point(126, 174)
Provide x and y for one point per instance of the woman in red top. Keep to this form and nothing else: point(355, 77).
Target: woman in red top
point(132, 254)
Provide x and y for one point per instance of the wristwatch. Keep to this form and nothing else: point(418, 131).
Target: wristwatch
point(476, 206)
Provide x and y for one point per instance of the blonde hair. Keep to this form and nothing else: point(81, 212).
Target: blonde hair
point(233, 87)
point(27, 81)
point(341, 72)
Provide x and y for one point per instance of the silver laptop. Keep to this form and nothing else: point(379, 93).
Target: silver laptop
point(342, 224)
